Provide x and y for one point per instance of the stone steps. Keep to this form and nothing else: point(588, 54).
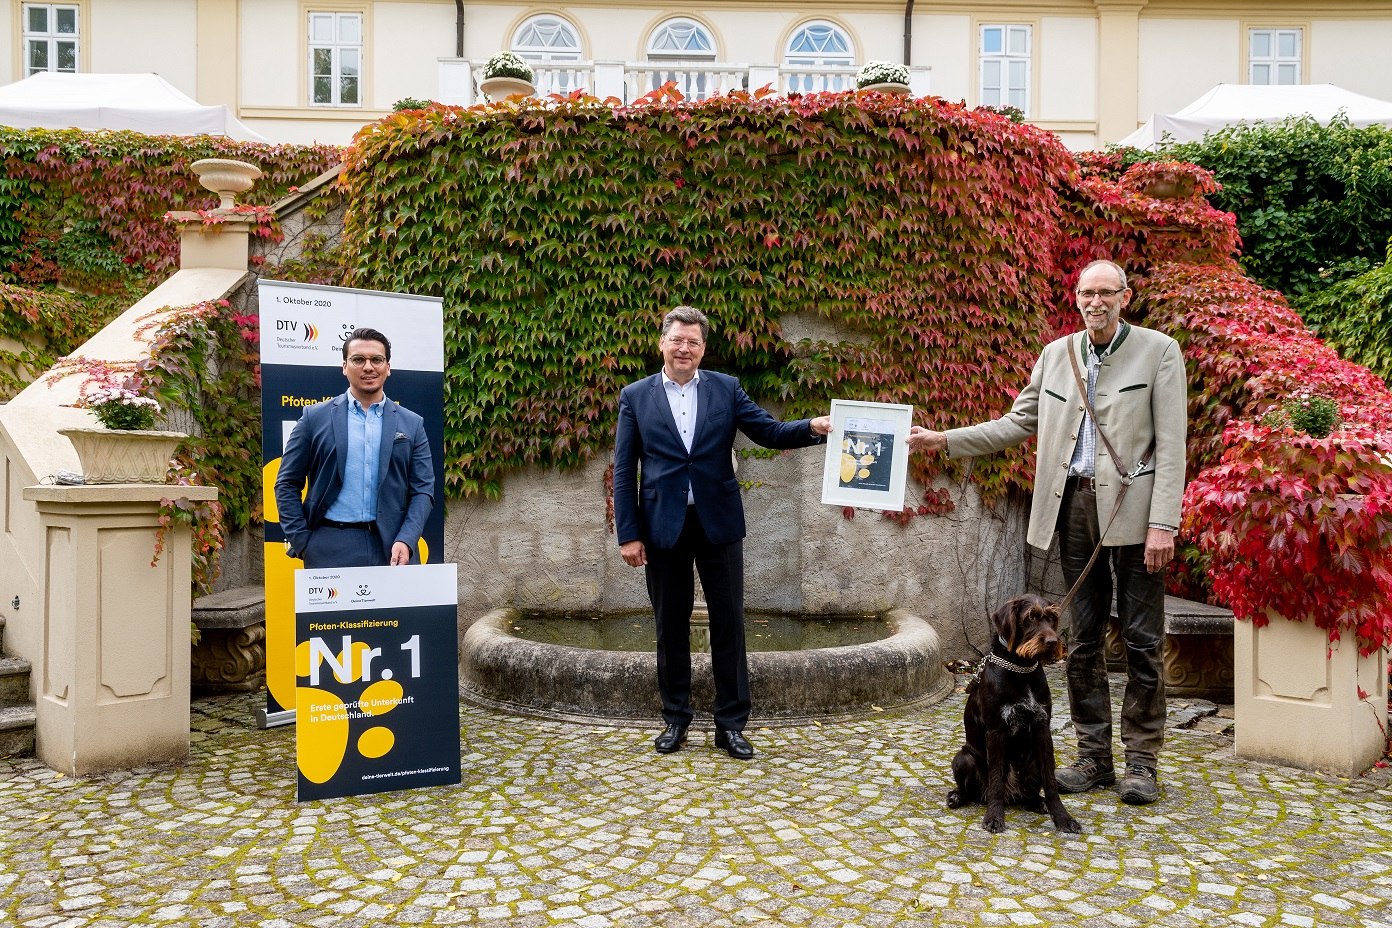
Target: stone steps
point(16, 712)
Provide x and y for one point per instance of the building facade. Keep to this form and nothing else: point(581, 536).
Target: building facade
point(1089, 70)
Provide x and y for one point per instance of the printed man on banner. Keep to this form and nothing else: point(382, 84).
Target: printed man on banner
point(366, 459)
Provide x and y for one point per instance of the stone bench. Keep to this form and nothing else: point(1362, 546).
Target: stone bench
point(1198, 650)
point(230, 656)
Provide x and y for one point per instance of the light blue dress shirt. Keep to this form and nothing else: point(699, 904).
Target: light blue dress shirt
point(357, 501)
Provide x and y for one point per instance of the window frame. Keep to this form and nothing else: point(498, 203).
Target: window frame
point(1030, 59)
point(1302, 57)
point(51, 37)
point(685, 55)
point(307, 14)
point(843, 67)
point(544, 54)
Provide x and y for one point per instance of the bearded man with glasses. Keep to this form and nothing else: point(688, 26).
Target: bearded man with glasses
point(367, 462)
point(1135, 384)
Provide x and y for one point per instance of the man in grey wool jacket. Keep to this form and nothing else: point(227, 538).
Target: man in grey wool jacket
point(1136, 380)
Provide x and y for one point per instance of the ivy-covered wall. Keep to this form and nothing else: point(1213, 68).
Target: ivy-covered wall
point(85, 211)
point(944, 240)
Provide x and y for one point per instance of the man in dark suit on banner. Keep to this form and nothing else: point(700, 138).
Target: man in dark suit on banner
point(367, 462)
point(683, 508)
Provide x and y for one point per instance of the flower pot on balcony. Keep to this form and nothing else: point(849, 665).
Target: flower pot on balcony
point(503, 88)
point(123, 455)
point(1304, 701)
point(893, 87)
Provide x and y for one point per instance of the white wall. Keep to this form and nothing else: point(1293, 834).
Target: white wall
point(1182, 59)
point(407, 40)
point(1067, 70)
point(135, 36)
point(944, 43)
point(272, 57)
point(1345, 53)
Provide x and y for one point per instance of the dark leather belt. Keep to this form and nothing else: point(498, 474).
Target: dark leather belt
point(1079, 482)
point(365, 526)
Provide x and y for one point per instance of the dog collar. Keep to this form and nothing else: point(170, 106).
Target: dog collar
point(999, 661)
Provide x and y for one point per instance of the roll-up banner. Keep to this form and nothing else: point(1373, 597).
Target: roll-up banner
point(303, 328)
point(377, 701)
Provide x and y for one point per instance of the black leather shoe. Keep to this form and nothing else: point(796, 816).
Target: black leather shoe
point(671, 739)
point(734, 742)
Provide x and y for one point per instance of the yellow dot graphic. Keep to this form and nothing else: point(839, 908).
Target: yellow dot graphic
point(376, 742)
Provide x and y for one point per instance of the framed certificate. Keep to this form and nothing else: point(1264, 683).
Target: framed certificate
point(867, 455)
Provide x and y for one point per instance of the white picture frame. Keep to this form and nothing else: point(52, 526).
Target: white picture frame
point(867, 455)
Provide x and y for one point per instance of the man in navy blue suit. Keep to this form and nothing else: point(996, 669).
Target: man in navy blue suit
point(367, 461)
point(683, 508)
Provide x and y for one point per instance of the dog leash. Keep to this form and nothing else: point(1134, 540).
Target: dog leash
point(1126, 478)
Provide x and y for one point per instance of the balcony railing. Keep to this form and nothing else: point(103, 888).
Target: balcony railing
point(695, 81)
point(815, 80)
point(629, 81)
point(563, 78)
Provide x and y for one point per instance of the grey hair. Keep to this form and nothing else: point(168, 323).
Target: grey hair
point(1103, 262)
point(687, 315)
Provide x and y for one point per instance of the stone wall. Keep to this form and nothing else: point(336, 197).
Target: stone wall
point(546, 545)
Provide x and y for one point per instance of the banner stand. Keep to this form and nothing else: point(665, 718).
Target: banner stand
point(303, 328)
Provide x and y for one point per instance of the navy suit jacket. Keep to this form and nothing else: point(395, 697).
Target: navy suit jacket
point(317, 450)
point(655, 511)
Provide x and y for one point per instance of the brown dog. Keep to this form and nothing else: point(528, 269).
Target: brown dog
point(1009, 754)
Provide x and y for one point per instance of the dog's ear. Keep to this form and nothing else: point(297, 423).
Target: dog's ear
point(1007, 622)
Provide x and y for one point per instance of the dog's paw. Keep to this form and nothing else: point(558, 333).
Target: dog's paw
point(954, 799)
point(995, 824)
point(1068, 825)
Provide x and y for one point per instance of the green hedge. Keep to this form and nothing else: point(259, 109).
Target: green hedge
point(1354, 316)
point(1308, 198)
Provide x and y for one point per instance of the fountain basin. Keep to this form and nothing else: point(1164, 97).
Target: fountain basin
point(502, 671)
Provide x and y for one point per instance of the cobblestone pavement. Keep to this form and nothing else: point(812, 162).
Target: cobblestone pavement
point(555, 824)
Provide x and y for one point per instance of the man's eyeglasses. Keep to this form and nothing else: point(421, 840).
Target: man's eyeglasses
point(358, 360)
point(1104, 294)
point(690, 344)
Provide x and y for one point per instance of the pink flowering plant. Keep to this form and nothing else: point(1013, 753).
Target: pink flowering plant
point(118, 402)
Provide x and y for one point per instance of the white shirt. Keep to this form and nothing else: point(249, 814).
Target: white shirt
point(682, 398)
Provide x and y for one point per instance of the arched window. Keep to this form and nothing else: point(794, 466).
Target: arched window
point(682, 52)
point(819, 57)
point(548, 43)
point(681, 38)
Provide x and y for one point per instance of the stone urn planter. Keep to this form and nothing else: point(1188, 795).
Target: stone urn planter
point(1169, 188)
point(1304, 701)
point(226, 178)
point(889, 87)
point(123, 455)
point(503, 88)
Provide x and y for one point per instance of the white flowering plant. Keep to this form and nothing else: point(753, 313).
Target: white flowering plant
point(882, 72)
point(118, 403)
point(507, 64)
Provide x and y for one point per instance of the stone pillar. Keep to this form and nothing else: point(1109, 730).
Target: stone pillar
point(1303, 701)
point(221, 244)
point(1118, 68)
point(113, 688)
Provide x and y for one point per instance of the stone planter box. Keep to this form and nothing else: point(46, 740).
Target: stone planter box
point(1298, 702)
